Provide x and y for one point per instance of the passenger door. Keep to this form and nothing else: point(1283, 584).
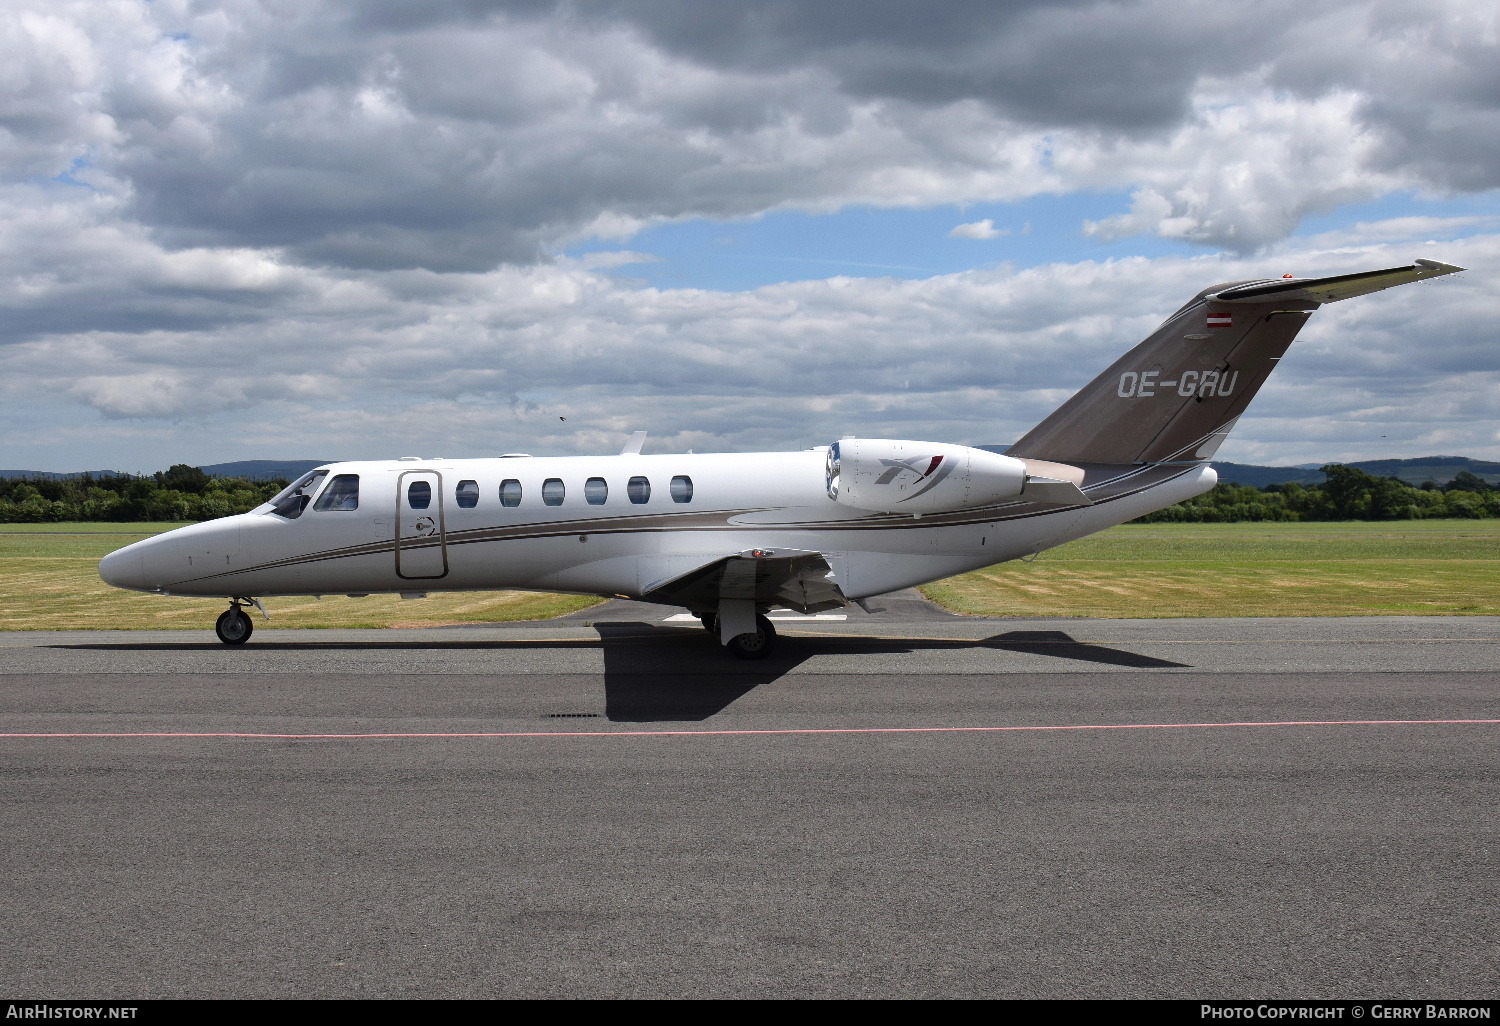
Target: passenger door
point(421, 537)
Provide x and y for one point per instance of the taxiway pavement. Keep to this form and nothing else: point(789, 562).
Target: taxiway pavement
point(605, 805)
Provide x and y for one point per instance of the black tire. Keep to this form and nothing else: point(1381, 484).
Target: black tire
point(754, 646)
point(707, 619)
point(234, 627)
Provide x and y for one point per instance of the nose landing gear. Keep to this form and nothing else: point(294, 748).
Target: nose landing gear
point(234, 626)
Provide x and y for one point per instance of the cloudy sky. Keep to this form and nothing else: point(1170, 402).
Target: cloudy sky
point(374, 228)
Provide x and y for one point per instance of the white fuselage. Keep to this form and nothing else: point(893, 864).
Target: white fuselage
point(605, 541)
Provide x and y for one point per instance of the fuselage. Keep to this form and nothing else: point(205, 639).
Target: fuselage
point(604, 525)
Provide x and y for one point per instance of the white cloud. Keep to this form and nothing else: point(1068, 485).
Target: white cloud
point(326, 221)
point(348, 363)
point(978, 230)
point(448, 138)
point(608, 260)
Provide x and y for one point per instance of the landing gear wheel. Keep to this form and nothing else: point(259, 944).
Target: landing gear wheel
point(234, 627)
point(757, 645)
point(707, 619)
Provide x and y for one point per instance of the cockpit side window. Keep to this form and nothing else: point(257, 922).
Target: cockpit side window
point(293, 499)
point(342, 493)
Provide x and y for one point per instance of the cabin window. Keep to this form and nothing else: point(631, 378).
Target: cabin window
point(639, 490)
point(293, 499)
point(552, 492)
point(419, 495)
point(342, 493)
point(466, 494)
point(595, 491)
point(682, 488)
point(510, 492)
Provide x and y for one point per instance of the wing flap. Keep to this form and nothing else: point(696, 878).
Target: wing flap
point(794, 578)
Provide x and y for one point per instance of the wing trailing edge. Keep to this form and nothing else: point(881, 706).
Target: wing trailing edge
point(794, 578)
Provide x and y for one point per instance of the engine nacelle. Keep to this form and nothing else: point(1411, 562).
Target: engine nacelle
point(893, 476)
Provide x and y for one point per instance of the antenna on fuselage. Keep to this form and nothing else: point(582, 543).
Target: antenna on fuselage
point(633, 446)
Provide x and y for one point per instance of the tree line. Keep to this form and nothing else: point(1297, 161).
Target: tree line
point(1348, 493)
point(181, 493)
point(187, 493)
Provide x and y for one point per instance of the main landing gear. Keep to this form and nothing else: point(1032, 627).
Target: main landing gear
point(756, 643)
point(234, 626)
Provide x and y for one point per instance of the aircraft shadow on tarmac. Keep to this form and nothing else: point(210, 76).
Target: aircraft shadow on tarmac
point(654, 673)
point(693, 681)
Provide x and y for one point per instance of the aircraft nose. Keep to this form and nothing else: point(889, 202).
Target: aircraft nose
point(124, 568)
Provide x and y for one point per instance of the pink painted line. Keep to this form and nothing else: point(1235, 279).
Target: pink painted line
point(789, 730)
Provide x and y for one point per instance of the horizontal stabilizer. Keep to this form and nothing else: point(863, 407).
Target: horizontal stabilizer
point(1054, 484)
point(1334, 288)
point(1042, 492)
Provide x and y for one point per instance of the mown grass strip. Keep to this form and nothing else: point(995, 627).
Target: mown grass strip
point(1193, 570)
point(49, 580)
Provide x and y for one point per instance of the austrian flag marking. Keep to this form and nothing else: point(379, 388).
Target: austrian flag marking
point(1220, 320)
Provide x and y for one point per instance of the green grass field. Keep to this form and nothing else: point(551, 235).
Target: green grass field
point(1188, 570)
point(49, 580)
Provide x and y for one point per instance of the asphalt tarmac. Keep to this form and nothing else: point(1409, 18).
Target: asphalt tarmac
point(903, 804)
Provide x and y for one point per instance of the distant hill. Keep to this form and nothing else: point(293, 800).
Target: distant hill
point(263, 470)
point(1259, 477)
point(50, 476)
point(1440, 469)
point(250, 470)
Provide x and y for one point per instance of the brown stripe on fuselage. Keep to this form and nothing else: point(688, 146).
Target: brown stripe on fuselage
point(1126, 481)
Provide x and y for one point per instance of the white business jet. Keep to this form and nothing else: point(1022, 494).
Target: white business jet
point(729, 536)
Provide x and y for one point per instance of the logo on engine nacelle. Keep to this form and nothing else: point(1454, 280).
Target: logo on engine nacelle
point(935, 470)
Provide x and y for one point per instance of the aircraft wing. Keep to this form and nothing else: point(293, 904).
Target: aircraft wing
point(794, 578)
point(1334, 288)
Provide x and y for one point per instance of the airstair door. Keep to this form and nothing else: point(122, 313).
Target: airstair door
point(421, 539)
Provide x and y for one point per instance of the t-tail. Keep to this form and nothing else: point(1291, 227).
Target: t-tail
point(1174, 397)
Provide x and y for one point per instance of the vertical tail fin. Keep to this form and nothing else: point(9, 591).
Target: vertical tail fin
point(1175, 396)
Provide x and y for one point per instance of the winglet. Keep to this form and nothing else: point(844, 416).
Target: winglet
point(633, 446)
point(1334, 288)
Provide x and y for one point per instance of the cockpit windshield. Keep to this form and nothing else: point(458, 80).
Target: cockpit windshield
point(293, 499)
